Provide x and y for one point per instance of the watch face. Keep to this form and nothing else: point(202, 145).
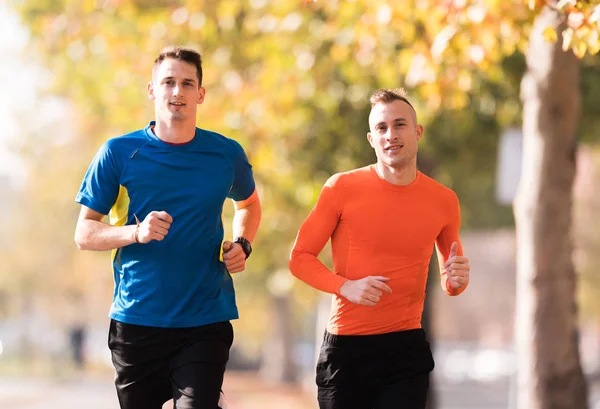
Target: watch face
point(245, 245)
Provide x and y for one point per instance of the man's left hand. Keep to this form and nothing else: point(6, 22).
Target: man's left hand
point(457, 268)
point(234, 257)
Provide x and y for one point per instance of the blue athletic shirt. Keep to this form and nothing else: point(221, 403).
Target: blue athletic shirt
point(181, 280)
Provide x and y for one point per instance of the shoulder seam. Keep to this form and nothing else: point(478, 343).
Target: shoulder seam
point(131, 155)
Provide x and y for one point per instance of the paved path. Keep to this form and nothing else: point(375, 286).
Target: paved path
point(244, 391)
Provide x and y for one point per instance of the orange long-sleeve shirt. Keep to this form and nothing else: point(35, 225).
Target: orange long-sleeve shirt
point(377, 229)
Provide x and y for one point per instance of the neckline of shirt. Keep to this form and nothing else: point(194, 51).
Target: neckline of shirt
point(167, 145)
point(401, 188)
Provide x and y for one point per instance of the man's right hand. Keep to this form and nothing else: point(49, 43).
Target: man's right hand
point(154, 227)
point(366, 291)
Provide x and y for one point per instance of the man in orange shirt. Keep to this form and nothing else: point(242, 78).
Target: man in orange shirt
point(383, 221)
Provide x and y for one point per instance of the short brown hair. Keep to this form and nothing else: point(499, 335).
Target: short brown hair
point(387, 95)
point(183, 54)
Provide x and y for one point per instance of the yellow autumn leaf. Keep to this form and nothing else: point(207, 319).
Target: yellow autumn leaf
point(550, 35)
point(339, 53)
point(579, 48)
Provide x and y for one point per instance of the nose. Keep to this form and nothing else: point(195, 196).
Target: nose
point(390, 135)
point(176, 90)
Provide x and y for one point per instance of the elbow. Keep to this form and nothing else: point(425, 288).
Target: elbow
point(292, 264)
point(298, 265)
point(81, 240)
point(80, 243)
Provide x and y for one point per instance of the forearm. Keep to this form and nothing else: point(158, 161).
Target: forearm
point(246, 221)
point(308, 268)
point(444, 279)
point(99, 236)
point(448, 246)
point(312, 237)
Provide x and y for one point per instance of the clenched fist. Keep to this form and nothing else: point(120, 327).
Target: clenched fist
point(366, 291)
point(457, 268)
point(234, 257)
point(154, 227)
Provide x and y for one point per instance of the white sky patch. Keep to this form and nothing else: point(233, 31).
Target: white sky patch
point(17, 92)
point(23, 112)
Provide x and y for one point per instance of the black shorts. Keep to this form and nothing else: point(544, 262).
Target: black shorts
point(374, 371)
point(155, 364)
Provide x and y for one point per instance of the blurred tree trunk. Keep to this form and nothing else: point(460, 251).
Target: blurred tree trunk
point(278, 362)
point(550, 374)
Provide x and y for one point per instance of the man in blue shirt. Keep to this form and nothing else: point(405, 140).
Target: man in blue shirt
point(163, 188)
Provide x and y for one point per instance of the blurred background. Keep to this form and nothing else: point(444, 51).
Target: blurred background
point(290, 80)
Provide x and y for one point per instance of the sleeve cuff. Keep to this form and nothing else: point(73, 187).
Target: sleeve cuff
point(454, 291)
point(339, 281)
point(245, 203)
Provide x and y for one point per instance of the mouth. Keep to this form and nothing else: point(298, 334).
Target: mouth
point(393, 148)
point(177, 104)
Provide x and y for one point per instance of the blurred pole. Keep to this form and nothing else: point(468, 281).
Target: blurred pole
point(77, 339)
point(508, 172)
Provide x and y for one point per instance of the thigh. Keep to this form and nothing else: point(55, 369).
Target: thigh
point(198, 368)
point(335, 397)
point(405, 393)
point(141, 361)
point(405, 380)
point(341, 379)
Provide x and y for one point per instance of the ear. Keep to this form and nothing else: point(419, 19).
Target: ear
point(201, 94)
point(151, 91)
point(370, 139)
point(419, 130)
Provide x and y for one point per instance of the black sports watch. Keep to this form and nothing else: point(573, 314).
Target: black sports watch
point(245, 245)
